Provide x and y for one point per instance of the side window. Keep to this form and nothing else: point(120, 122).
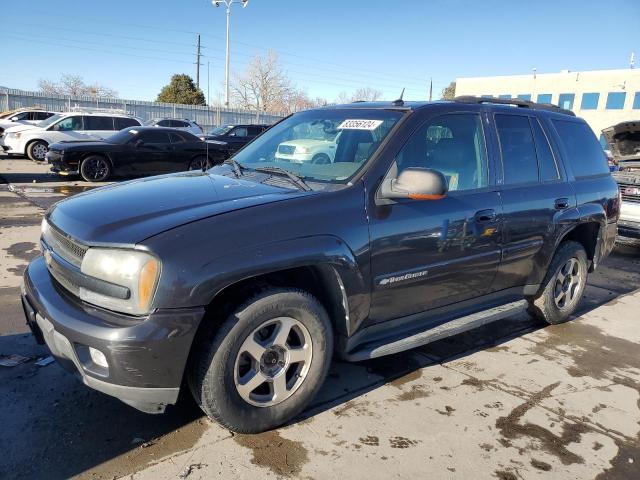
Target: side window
point(518, 151)
point(22, 116)
point(123, 122)
point(581, 148)
point(239, 132)
point(547, 166)
point(151, 136)
point(164, 123)
point(42, 115)
point(452, 144)
point(98, 123)
point(68, 123)
point(179, 124)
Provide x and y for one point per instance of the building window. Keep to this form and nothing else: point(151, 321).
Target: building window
point(524, 96)
point(544, 98)
point(565, 100)
point(590, 101)
point(636, 101)
point(615, 100)
point(505, 97)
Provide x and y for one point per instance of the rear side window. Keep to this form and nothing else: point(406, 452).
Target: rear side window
point(581, 148)
point(122, 122)
point(42, 115)
point(164, 123)
point(98, 123)
point(254, 131)
point(518, 150)
point(546, 162)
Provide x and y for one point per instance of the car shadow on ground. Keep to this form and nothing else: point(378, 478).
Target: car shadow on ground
point(55, 426)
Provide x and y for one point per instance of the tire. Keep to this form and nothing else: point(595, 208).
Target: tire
point(37, 150)
point(562, 286)
point(222, 364)
point(197, 163)
point(95, 168)
point(321, 159)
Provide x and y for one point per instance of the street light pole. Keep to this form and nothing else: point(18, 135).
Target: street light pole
point(228, 4)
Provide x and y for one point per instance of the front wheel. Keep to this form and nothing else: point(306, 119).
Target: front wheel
point(37, 150)
point(265, 363)
point(563, 285)
point(95, 169)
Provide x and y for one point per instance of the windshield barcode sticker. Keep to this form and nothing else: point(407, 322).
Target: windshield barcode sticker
point(359, 124)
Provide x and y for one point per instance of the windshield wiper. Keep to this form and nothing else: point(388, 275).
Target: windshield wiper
point(296, 179)
point(237, 167)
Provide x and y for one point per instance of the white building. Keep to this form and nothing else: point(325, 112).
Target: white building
point(602, 97)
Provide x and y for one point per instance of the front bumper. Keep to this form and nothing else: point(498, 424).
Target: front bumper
point(629, 221)
point(60, 165)
point(146, 357)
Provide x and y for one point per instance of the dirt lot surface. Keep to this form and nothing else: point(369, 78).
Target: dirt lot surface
point(513, 400)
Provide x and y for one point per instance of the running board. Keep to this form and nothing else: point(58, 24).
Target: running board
point(448, 329)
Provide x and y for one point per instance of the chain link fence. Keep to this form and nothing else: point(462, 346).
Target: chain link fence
point(206, 117)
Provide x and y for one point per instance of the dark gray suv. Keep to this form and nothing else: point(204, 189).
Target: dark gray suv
point(243, 281)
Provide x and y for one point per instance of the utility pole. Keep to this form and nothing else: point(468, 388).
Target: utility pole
point(228, 4)
point(198, 62)
point(430, 88)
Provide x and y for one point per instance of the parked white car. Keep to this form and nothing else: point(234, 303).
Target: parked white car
point(305, 150)
point(34, 140)
point(23, 117)
point(179, 123)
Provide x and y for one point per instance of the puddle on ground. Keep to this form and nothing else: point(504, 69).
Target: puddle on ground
point(61, 189)
point(282, 456)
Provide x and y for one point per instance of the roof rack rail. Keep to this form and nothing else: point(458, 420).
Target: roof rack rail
point(514, 101)
point(115, 111)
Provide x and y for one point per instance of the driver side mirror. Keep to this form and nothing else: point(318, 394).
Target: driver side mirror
point(139, 143)
point(416, 184)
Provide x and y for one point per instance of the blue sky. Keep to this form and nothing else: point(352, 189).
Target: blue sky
point(325, 46)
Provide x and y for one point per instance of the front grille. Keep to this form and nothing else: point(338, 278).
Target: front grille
point(630, 193)
point(69, 249)
point(62, 277)
point(287, 149)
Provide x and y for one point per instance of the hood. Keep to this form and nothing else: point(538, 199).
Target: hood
point(70, 145)
point(22, 128)
point(624, 140)
point(127, 213)
point(8, 123)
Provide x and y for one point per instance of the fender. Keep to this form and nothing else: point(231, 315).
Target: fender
point(336, 260)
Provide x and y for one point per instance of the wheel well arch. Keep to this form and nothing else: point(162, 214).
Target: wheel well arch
point(96, 154)
point(321, 281)
point(34, 140)
point(586, 234)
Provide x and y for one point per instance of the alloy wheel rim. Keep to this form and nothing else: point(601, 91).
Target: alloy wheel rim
point(96, 169)
point(39, 151)
point(567, 283)
point(273, 362)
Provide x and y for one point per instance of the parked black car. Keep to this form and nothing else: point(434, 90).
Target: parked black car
point(245, 280)
point(228, 139)
point(132, 151)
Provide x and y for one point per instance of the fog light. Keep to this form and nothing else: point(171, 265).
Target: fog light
point(98, 357)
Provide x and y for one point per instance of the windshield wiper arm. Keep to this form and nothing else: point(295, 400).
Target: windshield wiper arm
point(237, 167)
point(296, 179)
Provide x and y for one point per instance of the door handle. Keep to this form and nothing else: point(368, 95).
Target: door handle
point(561, 203)
point(485, 215)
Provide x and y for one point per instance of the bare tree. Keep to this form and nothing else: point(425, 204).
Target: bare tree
point(263, 86)
point(74, 86)
point(363, 94)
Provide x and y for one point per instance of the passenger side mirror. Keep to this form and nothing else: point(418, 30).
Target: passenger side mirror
point(416, 184)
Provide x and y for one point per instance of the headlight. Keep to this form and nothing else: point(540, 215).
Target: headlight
point(13, 135)
point(302, 150)
point(134, 269)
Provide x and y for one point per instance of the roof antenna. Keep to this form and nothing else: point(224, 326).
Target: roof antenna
point(399, 102)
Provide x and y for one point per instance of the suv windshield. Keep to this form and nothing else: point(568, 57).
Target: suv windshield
point(327, 145)
point(221, 130)
point(51, 120)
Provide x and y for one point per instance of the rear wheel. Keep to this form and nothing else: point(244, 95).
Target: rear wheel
point(563, 285)
point(95, 168)
point(37, 150)
point(265, 363)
